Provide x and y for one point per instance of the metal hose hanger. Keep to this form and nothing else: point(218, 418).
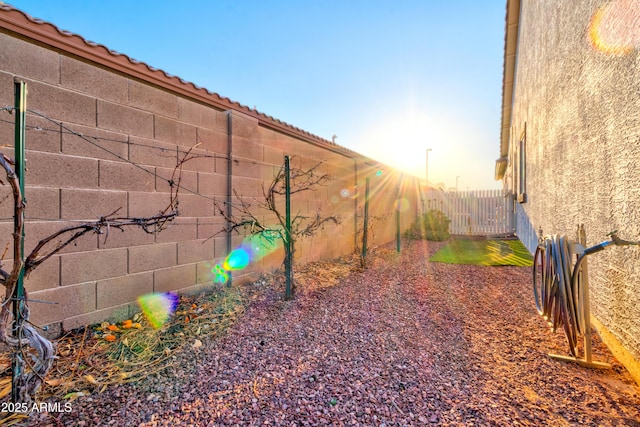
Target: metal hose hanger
point(556, 288)
point(561, 289)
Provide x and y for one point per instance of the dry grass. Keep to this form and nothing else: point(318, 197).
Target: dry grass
point(89, 364)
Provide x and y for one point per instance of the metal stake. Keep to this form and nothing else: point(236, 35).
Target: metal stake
point(366, 221)
point(398, 203)
point(288, 243)
point(584, 289)
point(20, 89)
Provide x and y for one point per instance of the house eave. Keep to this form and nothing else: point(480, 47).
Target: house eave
point(508, 81)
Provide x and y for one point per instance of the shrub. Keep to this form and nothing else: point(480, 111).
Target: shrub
point(434, 226)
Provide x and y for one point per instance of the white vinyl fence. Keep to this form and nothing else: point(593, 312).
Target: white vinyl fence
point(475, 213)
point(524, 229)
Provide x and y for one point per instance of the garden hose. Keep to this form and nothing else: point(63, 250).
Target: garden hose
point(557, 287)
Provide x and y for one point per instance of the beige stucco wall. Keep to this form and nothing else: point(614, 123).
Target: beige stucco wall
point(581, 110)
point(71, 178)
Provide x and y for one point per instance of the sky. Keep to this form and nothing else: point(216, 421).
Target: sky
point(390, 79)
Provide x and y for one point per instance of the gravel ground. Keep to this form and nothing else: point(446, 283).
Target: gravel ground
point(406, 342)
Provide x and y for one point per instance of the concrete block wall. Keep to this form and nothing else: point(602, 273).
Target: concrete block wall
point(101, 141)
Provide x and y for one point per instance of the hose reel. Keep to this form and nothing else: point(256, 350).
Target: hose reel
point(561, 289)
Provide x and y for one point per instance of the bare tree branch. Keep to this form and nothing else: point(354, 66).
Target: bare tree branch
point(12, 278)
point(26, 337)
point(150, 225)
point(244, 215)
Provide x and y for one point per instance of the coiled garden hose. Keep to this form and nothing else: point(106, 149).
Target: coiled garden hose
point(556, 288)
point(558, 285)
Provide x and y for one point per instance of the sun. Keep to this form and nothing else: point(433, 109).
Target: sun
point(399, 141)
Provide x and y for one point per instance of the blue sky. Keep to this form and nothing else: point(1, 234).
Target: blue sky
point(389, 78)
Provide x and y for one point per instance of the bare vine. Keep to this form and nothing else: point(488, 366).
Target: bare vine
point(245, 217)
point(35, 351)
point(374, 222)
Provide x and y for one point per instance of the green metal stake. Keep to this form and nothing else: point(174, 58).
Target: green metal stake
point(398, 230)
point(366, 221)
point(20, 91)
point(229, 187)
point(398, 218)
point(398, 203)
point(288, 248)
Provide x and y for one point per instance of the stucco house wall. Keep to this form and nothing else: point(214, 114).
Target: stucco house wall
point(105, 132)
point(572, 91)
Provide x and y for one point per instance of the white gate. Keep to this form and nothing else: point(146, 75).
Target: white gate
point(524, 229)
point(476, 213)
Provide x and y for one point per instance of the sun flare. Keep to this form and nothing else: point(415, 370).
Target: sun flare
point(615, 27)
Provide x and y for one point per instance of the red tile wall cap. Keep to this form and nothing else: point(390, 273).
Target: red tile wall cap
point(16, 21)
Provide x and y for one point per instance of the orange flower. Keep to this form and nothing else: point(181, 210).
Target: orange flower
point(110, 338)
point(112, 327)
point(136, 325)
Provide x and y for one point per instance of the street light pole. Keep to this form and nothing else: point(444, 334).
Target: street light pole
point(427, 168)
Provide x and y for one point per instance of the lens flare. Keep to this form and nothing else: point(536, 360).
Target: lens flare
point(253, 248)
point(219, 274)
point(613, 28)
point(158, 308)
point(260, 245)
point(349, 194)
point(236, 260)
point(379, 173)
point(402, 205)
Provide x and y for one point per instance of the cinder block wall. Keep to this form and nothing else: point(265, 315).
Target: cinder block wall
point(101, 140)
point(580, 107)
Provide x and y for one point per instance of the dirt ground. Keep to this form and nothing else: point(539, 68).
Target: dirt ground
point(405, 342)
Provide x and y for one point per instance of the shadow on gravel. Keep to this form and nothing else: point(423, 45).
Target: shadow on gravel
point(404, 342)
